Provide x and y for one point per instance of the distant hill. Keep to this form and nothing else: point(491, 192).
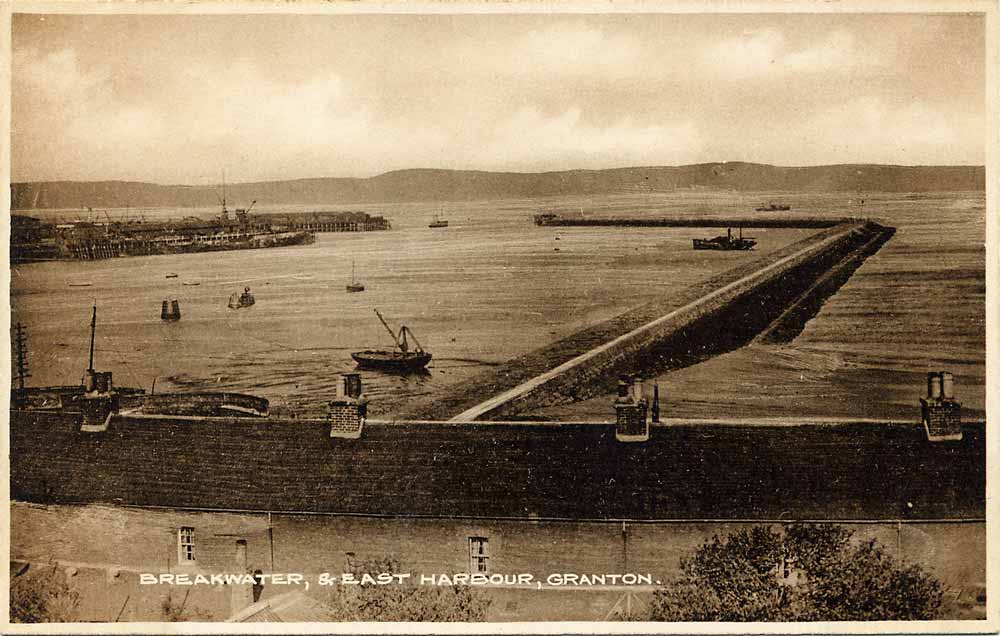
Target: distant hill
point(467, 185)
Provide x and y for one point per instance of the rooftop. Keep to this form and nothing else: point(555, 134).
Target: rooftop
point(509, 470)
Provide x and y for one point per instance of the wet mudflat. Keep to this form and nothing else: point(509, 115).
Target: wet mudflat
point(489, 287)
point(493, 286)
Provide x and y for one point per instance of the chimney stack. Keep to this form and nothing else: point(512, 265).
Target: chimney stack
point(940, 413)
point(98, 403)
point(632, 411)
point(348, 411)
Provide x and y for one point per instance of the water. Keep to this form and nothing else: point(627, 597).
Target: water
point(917, 305)
point(492, 286)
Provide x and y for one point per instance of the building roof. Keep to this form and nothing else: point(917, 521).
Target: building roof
point(490, 470)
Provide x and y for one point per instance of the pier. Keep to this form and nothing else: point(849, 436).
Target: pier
point(716, 316)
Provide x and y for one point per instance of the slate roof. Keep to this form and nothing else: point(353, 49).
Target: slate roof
point(578, 471)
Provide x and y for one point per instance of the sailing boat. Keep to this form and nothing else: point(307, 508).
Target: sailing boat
point(355, 286)
point(400, 359)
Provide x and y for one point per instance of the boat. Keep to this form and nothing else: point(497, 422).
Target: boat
point(438, 222)
point(773, 207)
point(401, 359)
point(83, 284)
point(355, 286)
point(238, 301)
point(192, 284)
point(726, 242)
point(171, 275)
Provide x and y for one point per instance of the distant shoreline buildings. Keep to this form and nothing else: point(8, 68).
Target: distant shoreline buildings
point(36, 240)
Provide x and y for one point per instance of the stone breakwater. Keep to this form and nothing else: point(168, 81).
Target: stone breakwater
point(716, 316)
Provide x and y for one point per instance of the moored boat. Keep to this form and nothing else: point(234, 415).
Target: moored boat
point(438, 222)
point(401, 359)
point(238, 301)
point(355, 286)
point(727, 242)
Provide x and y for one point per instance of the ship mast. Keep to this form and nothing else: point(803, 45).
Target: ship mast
point(93, 330)
point(392, 333)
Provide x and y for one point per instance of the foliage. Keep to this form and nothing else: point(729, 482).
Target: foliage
point(42, 595)
point(809, 572)
point(404, 602)
point(172, 612)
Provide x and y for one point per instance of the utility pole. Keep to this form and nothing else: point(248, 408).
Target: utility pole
point(21, 347)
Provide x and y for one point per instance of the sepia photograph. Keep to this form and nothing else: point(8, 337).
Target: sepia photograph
point(597, 317)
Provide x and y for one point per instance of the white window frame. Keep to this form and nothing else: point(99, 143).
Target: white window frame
point(185, 545)
point(479, 555)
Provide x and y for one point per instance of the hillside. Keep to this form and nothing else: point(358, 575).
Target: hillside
point(464, 185)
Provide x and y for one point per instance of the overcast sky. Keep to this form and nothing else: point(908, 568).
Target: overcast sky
point(180, 99)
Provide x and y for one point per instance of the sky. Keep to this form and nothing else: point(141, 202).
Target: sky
point(185, 98)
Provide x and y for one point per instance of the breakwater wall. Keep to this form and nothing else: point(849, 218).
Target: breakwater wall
point(719, 316)
point(748, 222)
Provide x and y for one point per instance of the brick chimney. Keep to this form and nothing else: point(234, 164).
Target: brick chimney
point(632, 417)
point(940, 413)
point(98, 402)
point(347, 412)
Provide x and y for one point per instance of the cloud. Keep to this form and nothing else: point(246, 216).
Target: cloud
point(566, 48)
point(837, 52)
point(55, 75)
point(565, 140)
point(750, 54)
point(871, 129)
point(764, 52)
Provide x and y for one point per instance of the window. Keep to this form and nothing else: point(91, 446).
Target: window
point(479, 554)
point(185, 545)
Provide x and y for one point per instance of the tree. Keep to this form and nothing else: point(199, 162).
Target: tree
point(808, 572)
point(41, 595)
point(404, 602)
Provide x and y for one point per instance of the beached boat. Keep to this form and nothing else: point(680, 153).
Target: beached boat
point(401, 359)
point(238, 300)
point(355, 286)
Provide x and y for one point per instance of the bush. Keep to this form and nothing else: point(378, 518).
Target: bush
point(41, 595)
point(807, 573)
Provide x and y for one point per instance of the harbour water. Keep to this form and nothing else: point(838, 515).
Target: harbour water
point(492, 286)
